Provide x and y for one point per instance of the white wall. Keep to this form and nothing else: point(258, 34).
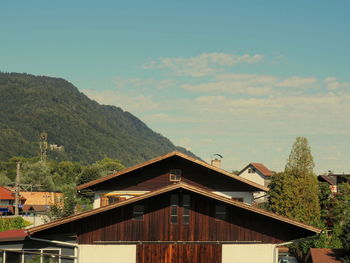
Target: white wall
point(256, 177)
point(107, 253)
point(259, 178)
point(247, 196)
point(249, 253)
point(97, 199)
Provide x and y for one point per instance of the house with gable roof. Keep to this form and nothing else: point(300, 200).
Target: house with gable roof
point(186, 213)
point(260, 174)
point(7, 200)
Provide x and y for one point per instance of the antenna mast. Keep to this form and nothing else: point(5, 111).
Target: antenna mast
point(43, 146)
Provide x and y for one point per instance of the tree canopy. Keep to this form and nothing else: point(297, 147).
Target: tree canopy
point(294, 192)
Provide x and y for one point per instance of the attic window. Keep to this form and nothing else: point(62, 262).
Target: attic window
point(138, 211)
point(175, 175)
point(251, 170)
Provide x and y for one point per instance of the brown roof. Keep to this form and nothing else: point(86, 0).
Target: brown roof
point(160, 158)
point(326, 255)
point(260, 167)
point(332, 180)
point(167, 189)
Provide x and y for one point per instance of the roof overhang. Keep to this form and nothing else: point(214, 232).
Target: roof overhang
point(13, 235)
point(166, 189)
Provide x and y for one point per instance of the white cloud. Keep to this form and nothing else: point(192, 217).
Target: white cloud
point(297, 82)
point(202, 65)
point(250, 84)
point(333, 84)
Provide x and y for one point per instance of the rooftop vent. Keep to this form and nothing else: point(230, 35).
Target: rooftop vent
point(216, 160)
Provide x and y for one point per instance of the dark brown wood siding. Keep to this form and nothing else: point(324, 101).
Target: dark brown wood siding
point(240, 224)
point(156, 176)
point(179, 253)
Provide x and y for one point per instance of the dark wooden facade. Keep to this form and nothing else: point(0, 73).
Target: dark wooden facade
point(156, 176)
point(240, 224)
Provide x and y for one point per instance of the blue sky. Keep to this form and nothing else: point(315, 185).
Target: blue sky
point(239, 78)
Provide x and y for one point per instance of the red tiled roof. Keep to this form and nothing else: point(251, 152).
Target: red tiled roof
point(6, 194)
point(262, 168)
point(326, 255)
point(13, 235)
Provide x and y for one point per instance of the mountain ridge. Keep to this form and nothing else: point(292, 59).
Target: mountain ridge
point(30, 105)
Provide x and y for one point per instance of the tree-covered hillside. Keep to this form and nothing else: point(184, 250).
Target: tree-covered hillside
point(30, 105)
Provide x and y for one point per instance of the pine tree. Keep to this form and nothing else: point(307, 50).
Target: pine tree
point(294, 193)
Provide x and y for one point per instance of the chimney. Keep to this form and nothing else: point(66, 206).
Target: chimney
point(216, 160)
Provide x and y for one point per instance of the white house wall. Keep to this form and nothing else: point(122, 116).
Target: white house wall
point(247, 196)
point(107, 253)
point(256, 177)
point(97, 195)
point(259, 178)
point(243, 253)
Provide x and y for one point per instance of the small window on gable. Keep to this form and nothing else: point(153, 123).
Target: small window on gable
point(251, 170)
point(220, 212)
point(175, 175)
point(138, 211)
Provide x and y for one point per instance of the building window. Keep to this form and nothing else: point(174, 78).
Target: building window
point(220, 212)
point(32, 256)
point(174, 204)
point(175, 175)
point(251, 170)
point(13, 257)
point(138, 211)
point(240, 199)
point(186, 204)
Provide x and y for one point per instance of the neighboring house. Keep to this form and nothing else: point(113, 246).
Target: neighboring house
point(7, 200)
point(334, 180)
point(331, 180)
point(167, 170)
point(175, 223)
point(43, 198)
point(260, 174)
point(39, 202)
point(29, 201)
point(325, 255)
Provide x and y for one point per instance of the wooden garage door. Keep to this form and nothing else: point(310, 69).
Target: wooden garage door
point(175, 253)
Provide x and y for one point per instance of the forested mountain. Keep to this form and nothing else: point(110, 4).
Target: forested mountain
point(30, 105)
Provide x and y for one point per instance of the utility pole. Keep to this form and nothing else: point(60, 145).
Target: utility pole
point(17, 189)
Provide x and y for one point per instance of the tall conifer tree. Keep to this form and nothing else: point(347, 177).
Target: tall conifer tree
point(294, 193)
